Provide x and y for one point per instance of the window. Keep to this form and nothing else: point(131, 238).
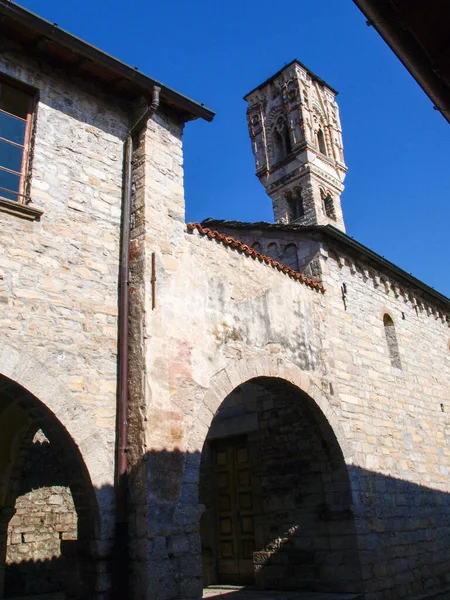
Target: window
point(16, 105)
point(321, 141)
point(391, 339)
point(328, 205)
point(281, 141)
point(278, 147)
point(295, 204)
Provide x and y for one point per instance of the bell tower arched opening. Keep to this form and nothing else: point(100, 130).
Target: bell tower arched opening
point(276, 493)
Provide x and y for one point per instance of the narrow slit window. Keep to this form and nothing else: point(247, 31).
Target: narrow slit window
point(15, 125)
point(321, 141)
point(391, 339)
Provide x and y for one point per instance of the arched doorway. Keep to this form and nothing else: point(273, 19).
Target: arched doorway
point(274, 483)
point(48, 510)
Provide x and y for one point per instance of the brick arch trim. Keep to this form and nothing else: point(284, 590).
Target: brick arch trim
point(245, 369)
point(75, 418)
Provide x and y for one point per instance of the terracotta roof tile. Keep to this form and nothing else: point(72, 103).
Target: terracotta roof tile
point(249, 251)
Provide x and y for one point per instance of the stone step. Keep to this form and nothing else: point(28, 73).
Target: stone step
point(230, 592)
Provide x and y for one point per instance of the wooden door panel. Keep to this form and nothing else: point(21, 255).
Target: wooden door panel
point(235, 511)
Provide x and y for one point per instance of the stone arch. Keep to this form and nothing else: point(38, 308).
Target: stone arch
point(245, 369)
point(29, 389)
point(271, 390)
point(295, 204)
point(31, 375)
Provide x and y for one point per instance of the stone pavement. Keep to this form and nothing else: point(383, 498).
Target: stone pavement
point(57, 596)
point(230, 592)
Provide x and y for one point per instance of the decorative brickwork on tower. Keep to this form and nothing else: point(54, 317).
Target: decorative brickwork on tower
point(294, 126)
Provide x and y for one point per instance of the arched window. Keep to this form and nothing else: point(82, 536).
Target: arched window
point(295, 204)
point(256, 246)
point(321, 141)
point(278, 146)
point(328, 205)
point(280, 140)
point(287, 141)
point(391, 339)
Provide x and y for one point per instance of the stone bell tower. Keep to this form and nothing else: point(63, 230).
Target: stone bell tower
point(293, 120)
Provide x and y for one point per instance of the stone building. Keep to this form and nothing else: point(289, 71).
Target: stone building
point(225, 402)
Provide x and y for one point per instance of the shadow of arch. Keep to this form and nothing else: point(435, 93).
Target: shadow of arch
point(21, 415)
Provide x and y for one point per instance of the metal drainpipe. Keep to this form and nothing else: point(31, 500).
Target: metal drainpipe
point(121, 587)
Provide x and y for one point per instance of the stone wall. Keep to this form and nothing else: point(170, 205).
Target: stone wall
point(217, 307)
point(60, 274)
point(396, 419)
point(44, 518)
point(206, 318)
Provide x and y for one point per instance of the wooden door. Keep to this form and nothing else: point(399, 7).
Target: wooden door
point(234, 504)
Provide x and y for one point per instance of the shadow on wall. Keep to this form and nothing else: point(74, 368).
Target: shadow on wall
point(401, 529)
point(268, 502)
point(49, 518)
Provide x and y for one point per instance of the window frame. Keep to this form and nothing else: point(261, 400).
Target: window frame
point(328, 204)
point(23, 197)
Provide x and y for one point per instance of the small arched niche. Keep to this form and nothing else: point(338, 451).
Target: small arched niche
point(290, 257)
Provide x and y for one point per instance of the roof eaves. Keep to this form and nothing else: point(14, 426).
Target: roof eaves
point(403, 43)
point(368, 253)
point(264, 225)
point(337, 235)
point(51, 30)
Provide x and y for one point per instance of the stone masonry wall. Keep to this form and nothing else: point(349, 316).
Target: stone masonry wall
point(216, 308)
point(59, 275)
point(44, 518)
point(397, 420)
point(212, 306)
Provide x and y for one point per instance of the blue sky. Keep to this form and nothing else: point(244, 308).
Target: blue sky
point(397, 148)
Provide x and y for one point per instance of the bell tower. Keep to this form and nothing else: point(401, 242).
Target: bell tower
point(294, 126)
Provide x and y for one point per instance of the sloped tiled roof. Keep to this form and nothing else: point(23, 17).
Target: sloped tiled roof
point(227, 240)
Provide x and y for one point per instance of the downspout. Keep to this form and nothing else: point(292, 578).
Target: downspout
point(121, 584)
